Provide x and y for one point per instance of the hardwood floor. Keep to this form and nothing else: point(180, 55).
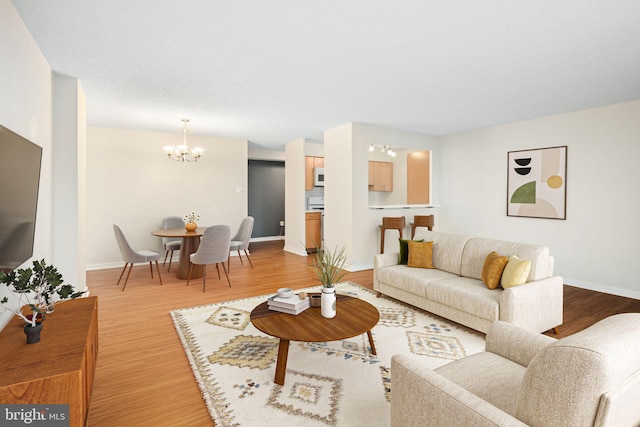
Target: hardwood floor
point(142, 375)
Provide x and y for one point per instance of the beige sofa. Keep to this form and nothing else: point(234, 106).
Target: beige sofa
point(454, 289)
point(591, 378)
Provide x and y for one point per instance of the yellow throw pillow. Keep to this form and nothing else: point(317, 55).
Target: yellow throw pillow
point(515, 272)
point(492, 269)
point(420, 254)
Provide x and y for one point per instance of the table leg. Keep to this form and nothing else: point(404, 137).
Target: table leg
point(188, 246)
point(373, 347)
point(281, 364)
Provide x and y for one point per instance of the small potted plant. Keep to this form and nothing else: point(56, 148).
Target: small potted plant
point(329, 267)
point(191, 220)
point(39, 289)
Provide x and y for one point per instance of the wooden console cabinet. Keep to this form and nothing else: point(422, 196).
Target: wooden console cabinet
point(57, 370)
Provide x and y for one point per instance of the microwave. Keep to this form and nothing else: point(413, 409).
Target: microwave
point(318, 177)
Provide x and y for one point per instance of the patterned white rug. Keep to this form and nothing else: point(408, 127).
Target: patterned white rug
point(327, 384)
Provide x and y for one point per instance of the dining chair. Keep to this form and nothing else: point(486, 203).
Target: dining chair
point(171, 244)
point(131, 256)
point(213, 249)
point(241, 240)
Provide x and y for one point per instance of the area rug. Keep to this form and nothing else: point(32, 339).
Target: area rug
point(327, 384)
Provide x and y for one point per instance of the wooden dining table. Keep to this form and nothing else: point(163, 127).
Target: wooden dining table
point(190, 243)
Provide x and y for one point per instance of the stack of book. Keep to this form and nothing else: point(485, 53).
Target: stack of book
point(290, 305)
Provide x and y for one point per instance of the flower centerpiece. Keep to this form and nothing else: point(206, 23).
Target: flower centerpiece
point(38, 289)
point(191, 220)
point(329, 269)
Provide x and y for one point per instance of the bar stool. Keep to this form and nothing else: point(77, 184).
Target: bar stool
point(421, 221)
point(390, 223)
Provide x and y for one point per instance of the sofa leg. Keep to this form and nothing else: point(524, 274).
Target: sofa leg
point(378, 294)
point(555, 330)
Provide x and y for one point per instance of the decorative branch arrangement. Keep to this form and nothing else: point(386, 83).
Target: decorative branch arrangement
point(39, 288)
point(329, 265)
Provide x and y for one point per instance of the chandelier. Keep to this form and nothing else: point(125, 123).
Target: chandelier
point(182, 153)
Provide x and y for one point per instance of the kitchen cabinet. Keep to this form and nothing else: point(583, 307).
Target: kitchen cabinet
point(380, 176)
point(418, 177)
point(313, 227)
point(311, 162)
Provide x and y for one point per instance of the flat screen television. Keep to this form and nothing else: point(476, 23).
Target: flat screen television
point(20, 162)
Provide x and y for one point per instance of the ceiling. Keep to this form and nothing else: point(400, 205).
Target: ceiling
point(275, 71)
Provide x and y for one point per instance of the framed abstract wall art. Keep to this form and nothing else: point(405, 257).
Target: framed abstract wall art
point(537, 183)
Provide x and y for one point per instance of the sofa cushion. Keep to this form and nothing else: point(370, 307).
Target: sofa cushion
point(477, 248)
point(414, 280)
point(447, 249)
point(420, 254)
point(492, 269)
point(515, 272)
point(468, 295)
point(404, 251)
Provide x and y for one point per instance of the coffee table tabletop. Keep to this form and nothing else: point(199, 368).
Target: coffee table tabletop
point(353, 317)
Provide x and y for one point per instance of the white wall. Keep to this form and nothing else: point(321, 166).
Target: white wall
point(26, 108)
point(348, 219)
point(131, 183)
point(596, 247)
point(69, 171)
point(294, 206)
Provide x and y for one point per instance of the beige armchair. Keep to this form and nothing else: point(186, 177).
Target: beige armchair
point(591, 378)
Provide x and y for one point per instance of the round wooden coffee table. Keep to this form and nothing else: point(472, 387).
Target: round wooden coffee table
point(353, 317)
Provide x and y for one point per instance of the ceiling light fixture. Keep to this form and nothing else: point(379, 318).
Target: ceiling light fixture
point(384, 149)
point(182, 153)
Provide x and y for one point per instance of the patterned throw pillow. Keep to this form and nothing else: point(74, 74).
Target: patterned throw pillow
point(404, 251)
point(492, 269)
point(516, 272)
point(420, 254)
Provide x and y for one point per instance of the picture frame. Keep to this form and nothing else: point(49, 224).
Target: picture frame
point(537, 183)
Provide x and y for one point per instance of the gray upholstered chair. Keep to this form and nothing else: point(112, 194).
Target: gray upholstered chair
point(241, 240)
point(171, 244)
point(213, 249)
point(591, 378)
point(130, 256)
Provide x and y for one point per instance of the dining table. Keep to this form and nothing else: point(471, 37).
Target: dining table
point(190, 243)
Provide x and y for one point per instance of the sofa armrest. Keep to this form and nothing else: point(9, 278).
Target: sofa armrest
point(422, 397)
point(515, 343)
point(385, 260)
point(536, 305)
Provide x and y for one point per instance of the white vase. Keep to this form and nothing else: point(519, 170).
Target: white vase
point(328, 303)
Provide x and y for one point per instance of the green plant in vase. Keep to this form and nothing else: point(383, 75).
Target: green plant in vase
point(37, 288)
point(329, 265)
point(329, 268)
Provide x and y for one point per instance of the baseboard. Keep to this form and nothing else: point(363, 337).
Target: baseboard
point(266, 238)
point(598, 287)
point(295, 251)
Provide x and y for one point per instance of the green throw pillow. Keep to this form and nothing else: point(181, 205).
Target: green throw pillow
point(404, 250)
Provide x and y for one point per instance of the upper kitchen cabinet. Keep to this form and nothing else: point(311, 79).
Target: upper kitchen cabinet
point(380, 176)
point(310, 164)
point(419, 177)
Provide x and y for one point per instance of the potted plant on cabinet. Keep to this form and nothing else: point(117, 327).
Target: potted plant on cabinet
point(38, 290)
point(329, 268)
